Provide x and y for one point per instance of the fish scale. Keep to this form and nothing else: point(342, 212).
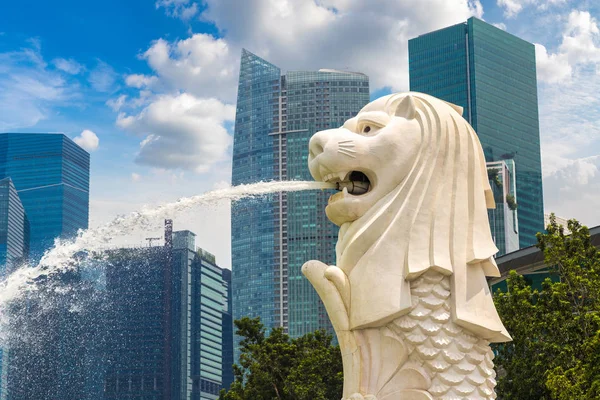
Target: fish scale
point(457, 362)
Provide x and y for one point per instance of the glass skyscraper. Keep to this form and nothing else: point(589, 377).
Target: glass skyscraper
point(227, 332)
point(492, 75)
point(503, 218)
point(14, 246)
point(272, 237)
point(14, 228)
point(164, 312)
point(136, 327)
point(210, 294)
point(52, 177)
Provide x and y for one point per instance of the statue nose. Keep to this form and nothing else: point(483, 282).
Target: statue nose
point(316, 144)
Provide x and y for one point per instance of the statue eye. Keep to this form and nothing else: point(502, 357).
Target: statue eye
point(368, 128)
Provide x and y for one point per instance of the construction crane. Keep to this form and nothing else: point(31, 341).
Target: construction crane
point(151, 239)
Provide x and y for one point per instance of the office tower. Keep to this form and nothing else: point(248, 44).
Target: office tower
point(164, 306)
point(504, 218)
point(51, 174)
point(14, 228)
point(135, 343)
point(208, 293)
point(272, 237)
point(14, 245)
point(492, 75)
point(227, 332)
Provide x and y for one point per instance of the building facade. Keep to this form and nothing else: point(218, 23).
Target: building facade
point(207, 322)
point(51, 175)
point(272, 237)
point(227, 332)
point(14, 248)
point(14, 228)
point(492, 75)
point(135, 342)
point(504, 218)
point(164, 309)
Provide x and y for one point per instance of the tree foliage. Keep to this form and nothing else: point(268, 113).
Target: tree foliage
point(512, 203)
point(555, 352)
point(278, 367)
point(494, 177)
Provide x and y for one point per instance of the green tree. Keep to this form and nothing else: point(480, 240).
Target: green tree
point(555, 352)
point(278, 367)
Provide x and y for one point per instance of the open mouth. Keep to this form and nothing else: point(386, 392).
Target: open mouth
point(355, 182)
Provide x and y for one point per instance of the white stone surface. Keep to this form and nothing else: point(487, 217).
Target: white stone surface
point(408, 299)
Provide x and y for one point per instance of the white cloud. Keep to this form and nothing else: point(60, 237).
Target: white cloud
point(181, 132)
point(551, 68)
point(69, 66)
point(140, 81)
point(570, 133)
point(103, 78)
point(201, 65)
point(500, 25)
point(573, 190)
point(580, 48)
point(298, 34)
point(87, 140)
point(29, 89)
point(182, 9)
point(476, 8)
point(514, 7)
point(135, 177)
point(291, 33)
point(581, 41)
point(118, 103)
point(578, 172)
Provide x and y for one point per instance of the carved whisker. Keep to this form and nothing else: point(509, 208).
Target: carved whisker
point(347, 153)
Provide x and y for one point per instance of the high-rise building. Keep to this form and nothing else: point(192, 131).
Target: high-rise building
point(504, 218)
point(227, 333)
point(14, 228)
point(272, 237)
point(136, 328)
point(51, 175)
point(14, 248)
point(164, 311)
point(208, 292)
point(492, 75)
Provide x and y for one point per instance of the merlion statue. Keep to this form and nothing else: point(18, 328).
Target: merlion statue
point(408, 299)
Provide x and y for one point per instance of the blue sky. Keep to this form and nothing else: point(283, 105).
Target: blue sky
point(148, 87)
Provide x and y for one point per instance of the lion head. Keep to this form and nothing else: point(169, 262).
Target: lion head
point(414, 196)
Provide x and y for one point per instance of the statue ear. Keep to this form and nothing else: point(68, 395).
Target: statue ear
point(406, 108)
point(456, 108)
